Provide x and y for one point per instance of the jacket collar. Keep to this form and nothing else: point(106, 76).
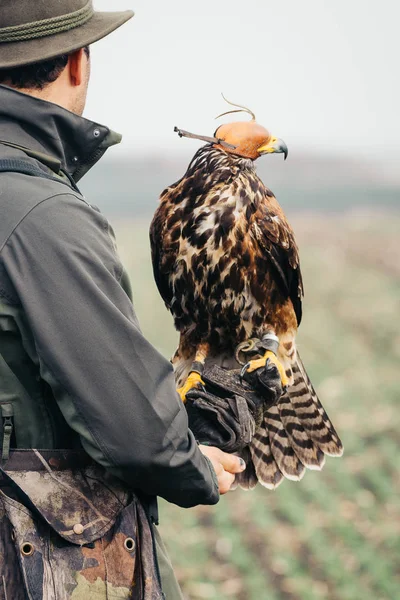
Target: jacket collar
point(51, 134)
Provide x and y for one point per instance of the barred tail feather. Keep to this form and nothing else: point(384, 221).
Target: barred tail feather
point(296, 434)
point(310, 455)
point(248, 479)
point(311, 413)
point(265, 466)
point(272, 454)
point(281, 447)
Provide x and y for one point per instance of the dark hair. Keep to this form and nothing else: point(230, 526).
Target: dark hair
point(38, 75)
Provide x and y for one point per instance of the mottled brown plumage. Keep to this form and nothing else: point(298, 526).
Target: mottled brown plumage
point(227, 266)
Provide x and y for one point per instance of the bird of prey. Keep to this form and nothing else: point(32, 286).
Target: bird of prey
point(226, 264)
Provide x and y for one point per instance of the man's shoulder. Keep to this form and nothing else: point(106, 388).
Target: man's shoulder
point(21, 193)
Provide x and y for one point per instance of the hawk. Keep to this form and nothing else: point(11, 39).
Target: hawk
point(226, 264)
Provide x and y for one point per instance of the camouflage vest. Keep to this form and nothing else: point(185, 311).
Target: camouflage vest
point(71, 531)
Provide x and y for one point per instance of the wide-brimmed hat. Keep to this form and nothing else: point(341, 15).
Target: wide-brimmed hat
point(35, 30)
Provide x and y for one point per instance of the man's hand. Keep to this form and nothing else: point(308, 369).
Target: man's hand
point(225, 466)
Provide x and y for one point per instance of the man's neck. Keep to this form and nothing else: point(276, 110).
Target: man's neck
point(50, 93)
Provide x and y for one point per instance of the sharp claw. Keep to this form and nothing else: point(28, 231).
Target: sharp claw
point(244, 370)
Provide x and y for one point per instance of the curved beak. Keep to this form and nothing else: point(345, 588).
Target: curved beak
point(274, 145)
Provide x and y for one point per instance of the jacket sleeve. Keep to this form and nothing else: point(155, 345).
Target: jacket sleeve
point(111, 385)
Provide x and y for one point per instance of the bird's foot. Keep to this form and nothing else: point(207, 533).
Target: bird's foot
point(194, 380)
point(259, 363)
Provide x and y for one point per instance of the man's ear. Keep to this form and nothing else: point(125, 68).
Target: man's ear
point(77, 67)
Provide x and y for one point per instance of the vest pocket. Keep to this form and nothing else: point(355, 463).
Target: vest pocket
point(88, 536)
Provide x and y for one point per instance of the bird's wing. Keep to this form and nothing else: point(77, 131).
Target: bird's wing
point(162, 254)
point(275, 238)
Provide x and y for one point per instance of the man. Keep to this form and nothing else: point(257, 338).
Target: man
point(75, 369)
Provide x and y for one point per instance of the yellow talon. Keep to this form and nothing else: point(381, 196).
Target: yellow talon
point(260, 362)
point(193, 381)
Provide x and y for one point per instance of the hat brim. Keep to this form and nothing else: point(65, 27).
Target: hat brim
point(16, 54)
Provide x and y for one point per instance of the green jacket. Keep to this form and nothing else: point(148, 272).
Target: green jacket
point(75, 369)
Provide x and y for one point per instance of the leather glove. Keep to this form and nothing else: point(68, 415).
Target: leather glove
point(228, 410)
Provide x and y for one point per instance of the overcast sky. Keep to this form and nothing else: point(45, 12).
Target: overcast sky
point(321, 74)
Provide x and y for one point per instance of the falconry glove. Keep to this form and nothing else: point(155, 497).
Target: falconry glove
point(226, 412)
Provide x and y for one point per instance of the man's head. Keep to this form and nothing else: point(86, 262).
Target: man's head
point(63, 80)
point(44, 47)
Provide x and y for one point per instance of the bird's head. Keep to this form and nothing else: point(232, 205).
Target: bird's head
point(247, 139)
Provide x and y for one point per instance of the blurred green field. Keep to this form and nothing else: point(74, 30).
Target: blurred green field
point(336, 534)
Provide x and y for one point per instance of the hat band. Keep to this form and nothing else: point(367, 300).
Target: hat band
point(46, 27)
